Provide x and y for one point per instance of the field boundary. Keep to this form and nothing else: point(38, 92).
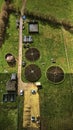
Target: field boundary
point(66, 52)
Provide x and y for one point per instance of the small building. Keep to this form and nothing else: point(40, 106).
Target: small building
point(33, 27)
point(9, 97)
point(39, 85)
point(27, 39)
point(11, 86)
point(14, 77)
point(10, 58)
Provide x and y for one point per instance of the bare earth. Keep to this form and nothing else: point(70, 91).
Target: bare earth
point(31, 107)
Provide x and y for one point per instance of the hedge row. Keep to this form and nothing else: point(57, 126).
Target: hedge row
point(4, 16)
point(50, 19)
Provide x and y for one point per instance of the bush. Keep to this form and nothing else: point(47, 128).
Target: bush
point(5, 7)
point(11, 8)
point(67, 24)
point(2, 24)
point(4, 15)
point(50, 19)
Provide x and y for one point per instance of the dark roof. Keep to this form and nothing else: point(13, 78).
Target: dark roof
point(9, 97)
point(11, 85)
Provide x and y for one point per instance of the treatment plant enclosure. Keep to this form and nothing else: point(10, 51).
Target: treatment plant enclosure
point(36, 45)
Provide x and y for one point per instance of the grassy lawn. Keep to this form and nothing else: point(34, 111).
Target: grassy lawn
point(1, 3)
point(55, 100)
point(20, 112)
point(18, 4)
point(61, 9)
point(10, 46)
point(8, 118)
point(8, 111)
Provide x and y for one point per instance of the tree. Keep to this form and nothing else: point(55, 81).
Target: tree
point(5, 7)
point(4, 15)
point(2, 25)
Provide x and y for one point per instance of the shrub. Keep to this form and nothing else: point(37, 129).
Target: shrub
point(67, 24)
point(11, 8)
point(4, 15)
point(5, 7)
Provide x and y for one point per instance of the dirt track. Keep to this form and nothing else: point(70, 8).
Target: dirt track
point(31, 108)
point(31, 102)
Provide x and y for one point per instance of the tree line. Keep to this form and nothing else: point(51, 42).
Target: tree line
point(6, 9)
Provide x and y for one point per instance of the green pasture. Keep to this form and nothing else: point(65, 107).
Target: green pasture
point(55, 99)
point(60, 9)
point(8, 111)
point(18, 4)
point(8, 119)
point(1, 3)
point(10, 45)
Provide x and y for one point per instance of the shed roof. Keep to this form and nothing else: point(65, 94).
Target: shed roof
point(11, 85)
point(14, 76)
point(33, 27)
point(9, 97)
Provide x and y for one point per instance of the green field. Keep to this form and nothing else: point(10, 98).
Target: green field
point(55, 99)
point(10, 46)
point(8, 111)
point(61, 9)
point(1, 3)
point(18, 4)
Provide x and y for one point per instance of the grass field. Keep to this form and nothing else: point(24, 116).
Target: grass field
point(8, 119)
point(8, 111)
point(61, 9)
point(10, 46)
point(1, 3)
point(56, 100)
point(18, 4)
point(56, 105)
